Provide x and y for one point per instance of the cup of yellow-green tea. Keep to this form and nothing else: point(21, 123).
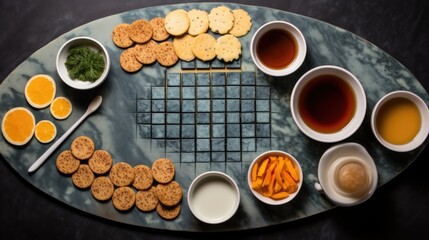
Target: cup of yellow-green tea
point(400, 121)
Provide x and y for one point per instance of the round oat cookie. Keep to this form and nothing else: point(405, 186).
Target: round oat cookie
point(183, 47)
point(198, 22)
point(177, 22)
point(242, 23)
point(121, 36)
point(141, 31)
point(221, 19)
point(100, 162)
point(163, 170)
point(128, 60)
point(83, 177)
point(123, 198)
point(146, 52)
point(203, 47)
point(121, 174)
point(146, 200)
point(102, 188)
point(170, 193)
point(143, 178)
point(166, 55)
point(167, 212)
point(66, 163)
point(228, 48)
point(82, 147)
point(159, 31)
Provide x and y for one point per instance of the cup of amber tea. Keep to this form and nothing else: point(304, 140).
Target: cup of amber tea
point(278, 48)
point(328, 103)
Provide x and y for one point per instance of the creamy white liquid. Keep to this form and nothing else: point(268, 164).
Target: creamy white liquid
point(214, 198)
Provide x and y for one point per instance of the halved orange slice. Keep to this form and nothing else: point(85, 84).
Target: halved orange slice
point(18, 126)
point(61, 108)
point(40, 90)
point(45, 131)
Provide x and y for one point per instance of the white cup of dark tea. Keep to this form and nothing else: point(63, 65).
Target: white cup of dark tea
point(278, 48)
point(328, 103)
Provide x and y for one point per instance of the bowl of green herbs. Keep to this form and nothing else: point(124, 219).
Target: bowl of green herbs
point(83, 63)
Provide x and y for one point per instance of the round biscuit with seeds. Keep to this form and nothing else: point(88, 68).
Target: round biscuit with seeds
point(102, 188)
point(66, 163)
point(183, 47)
point(177, 22)
point(128, 60)
point(121, 36)
point(123, 198)
point(82, 147)
point(159, 31)
point(83, 177)
point(143, 178)
point(170, 193)
point(221, 19)
point(146, 52)
point(168, 213)
point(203, 47)
point(146, 200)
point(242, 23)
point(100, 162)
point(121, 174)
point(166, 55)
point(163, 170)
point(198, 22)
point(228, 48)
point(140, 31)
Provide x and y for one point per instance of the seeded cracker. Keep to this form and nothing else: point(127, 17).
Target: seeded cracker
point(123, 198)
point(83, 177)
point(102, 188)
point(221, 20)
point(228, 48)
point(199, 22)
point(141, 31)
point(242, 23)
point(121, 37)
point(159, 31)
point(121, 174)
point(177, 22)
point(166, 55)
point(100, 162)
point(66, 163)
point(82, 147)
point(204, 47)
point(146, 200)
point(128, 60)
point(168, 213)
point(146, 52)
point(143, 177)
point(163, 170)
point(183, 47)
point(170, 193)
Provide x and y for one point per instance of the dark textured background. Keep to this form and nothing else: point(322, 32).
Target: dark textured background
point(397, 210)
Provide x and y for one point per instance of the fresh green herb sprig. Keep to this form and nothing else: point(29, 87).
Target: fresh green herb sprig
point(84, 64)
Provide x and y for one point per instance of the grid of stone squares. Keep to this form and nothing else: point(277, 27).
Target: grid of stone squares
point(206, 116)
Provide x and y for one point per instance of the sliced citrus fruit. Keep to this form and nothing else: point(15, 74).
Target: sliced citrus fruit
point(17, 126)
point(61, 108)
point(40, 90)
point(45, 131)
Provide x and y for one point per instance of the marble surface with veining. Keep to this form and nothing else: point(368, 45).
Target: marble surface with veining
point(120, 125)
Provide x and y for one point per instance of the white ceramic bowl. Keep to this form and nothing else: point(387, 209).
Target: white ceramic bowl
point(62, 58)
point(299, 40)
point(339, 155)
point(360, 102)
point(213, 197)
point(269, 200)
point(424, 114)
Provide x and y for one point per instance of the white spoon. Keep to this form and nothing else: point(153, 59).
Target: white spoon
point(93, 105)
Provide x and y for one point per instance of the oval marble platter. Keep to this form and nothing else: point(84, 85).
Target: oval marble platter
point(195, 117)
